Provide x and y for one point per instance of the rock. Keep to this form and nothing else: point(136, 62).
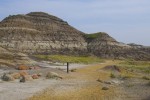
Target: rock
point(112, 68)
point(73, 70)
point(35, 76)
point(58, 37)
point(47, 29)
point(22, 79)
point(99, 80)
point(23, 73)
point(106, 82)
point(39, 74)
point(52, 75)
point(7, 77)
point(34, 68)
point(105, 88)
point(16, 75)
point(26, 78)
point(23, 67)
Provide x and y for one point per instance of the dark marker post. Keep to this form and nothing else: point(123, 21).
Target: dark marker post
point(67, 67)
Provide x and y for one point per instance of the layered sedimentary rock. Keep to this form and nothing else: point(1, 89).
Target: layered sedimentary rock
point(39, 32)
point(103, 45)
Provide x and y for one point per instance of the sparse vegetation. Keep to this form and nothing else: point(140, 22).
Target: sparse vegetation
point(130, 85)
point(105, 88)
point(148, 83)
point(112, 75)
point(94, 35)
point(146, 78)
point(73, 70)
point(71, 59)
point(131, 65)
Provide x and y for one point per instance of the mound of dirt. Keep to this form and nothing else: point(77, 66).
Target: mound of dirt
point(112, 68)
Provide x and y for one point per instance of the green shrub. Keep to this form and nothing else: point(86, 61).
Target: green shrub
point(146, 78)
point(112, 75)
point(148, 83)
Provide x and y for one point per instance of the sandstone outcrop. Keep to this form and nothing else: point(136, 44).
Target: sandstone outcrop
point(103, 45)
point(41, 33)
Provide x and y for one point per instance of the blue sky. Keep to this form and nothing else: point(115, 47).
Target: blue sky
point(126, 20)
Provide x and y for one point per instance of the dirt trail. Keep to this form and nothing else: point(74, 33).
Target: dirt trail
point(83, 85)
point(79, 85)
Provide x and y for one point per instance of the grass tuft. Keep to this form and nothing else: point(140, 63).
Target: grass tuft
point(71, 59)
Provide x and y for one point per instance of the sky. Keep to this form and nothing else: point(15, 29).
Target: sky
point(127, 21)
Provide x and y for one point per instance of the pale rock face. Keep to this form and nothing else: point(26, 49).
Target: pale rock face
point(39, 32)
point(105, 46)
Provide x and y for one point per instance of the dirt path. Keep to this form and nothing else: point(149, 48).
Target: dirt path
point(83, 85)
point(79, 85)
point(21, 91)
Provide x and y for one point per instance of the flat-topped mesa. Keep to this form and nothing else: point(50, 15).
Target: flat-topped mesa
point(39, 32)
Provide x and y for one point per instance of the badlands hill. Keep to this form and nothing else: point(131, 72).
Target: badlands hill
point(41, 33)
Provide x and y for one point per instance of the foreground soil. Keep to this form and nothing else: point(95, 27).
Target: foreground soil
point(94, 83)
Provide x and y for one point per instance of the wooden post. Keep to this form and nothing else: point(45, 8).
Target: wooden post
point(67, 67)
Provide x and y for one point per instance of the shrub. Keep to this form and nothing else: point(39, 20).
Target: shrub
point(7, 77)
point(105, 88)
point(148, 83)
point(73, 70)
point(146, 78)
point(112, 75)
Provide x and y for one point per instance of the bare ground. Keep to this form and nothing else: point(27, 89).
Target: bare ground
point(79, 85)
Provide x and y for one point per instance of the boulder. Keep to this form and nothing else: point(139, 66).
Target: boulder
point(23, 73)
point(105, 88)
point(22, 79)
point(26, 78)
point(35, 76)
point(52, 75)
point(16, 75)
point(23, 67)
point(7, 77)
point(39, 74)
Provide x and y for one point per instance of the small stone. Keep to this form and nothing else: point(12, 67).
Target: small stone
point(22, 79)
point(35, 76)
point(99, 80)
point(105, 88)
point(52, 75)
point(39, 74)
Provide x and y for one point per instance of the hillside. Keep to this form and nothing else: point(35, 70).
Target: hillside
point(103, 45)
point(38, 32)
point(42, 33)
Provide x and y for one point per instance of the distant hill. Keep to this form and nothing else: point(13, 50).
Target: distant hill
point(42, 33)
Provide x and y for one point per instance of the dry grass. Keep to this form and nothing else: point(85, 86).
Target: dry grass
point(92, 90)
point(72, 59)
point(89, 93)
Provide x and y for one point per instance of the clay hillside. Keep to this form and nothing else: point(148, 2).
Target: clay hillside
point(41, 33)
